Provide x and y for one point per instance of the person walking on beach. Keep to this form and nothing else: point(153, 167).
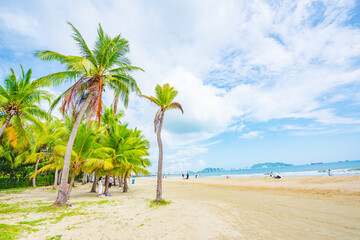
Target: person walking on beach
point(187, 176)
point(182, 175)
point(329, 172)
point(100, 186)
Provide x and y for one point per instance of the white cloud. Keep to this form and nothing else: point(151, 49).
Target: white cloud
point(251, 135)
point(271, 61)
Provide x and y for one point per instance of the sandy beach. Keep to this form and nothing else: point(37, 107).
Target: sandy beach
point(206, 208)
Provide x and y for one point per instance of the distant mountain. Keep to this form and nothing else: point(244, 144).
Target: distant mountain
point(206, 170)
point(270, 165)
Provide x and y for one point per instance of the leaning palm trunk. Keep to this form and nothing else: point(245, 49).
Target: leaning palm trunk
point(84, 179)
point(36, 168)
point(107, 183)
point(72, 182)
point(159, 175)
point(59, 179)
point(56, 179)
point(62, 196)
point(93, 188)
point(3, 127)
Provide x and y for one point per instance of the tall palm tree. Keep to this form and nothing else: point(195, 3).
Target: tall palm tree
point(21, 98)
point(105, 65)
point(165, 96)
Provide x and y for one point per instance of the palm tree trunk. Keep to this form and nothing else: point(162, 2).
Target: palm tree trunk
point(116, 99)
point(93, 188)
point(36, 168)
point(62, 196)
point(3, 127)
point(126, 187)
point(84, 179)
point(107, 183)
point(159, 175)
point(56, 179)
point(59, 179)
point(120, 180)
point(72, 182)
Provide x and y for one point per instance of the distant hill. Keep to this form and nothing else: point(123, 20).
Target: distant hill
point(270, 165)
point(206, 170)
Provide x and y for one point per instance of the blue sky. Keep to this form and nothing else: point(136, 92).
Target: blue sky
point(259, 81)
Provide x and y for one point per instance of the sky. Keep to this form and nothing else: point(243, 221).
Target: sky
point(259, 81)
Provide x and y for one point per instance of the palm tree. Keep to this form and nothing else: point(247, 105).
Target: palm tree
point(105, 65)
point(10, 153)
point(21, 98)
point(165, 96)
point(50, 134)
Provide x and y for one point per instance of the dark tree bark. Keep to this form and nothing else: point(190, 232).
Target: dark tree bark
point(3, 127)
point(159, 175)
point(107, 179)
point(93, 188)
point(62, 196)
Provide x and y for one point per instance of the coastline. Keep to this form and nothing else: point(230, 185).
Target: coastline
point(212, 208)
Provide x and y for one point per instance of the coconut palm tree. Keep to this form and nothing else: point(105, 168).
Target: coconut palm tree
point(165, 96)
point(10, 153)
point(50, 134)
point(135, 162)
point(21, 98)
point(105, 65)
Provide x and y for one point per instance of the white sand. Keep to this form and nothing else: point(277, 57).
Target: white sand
point(214, 208)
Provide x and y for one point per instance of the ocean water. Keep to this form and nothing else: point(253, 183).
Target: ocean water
point(343, 168)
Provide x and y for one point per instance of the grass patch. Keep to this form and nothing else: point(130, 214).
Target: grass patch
point(154, 204)
point(57, 237)
point(67, 214)
point(12, 231)
point(15, 190)
point(34, 222)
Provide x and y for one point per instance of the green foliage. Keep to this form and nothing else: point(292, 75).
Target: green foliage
point(6, 183)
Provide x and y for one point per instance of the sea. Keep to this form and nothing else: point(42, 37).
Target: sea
point(341, 168)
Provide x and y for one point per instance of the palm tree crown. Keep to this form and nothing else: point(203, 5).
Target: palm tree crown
point(105, 65)
point(21, 98)
point(165, 96)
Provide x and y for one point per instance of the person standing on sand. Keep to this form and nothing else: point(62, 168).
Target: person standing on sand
point(187, 176)
point(329, 172)
point(100, 186)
